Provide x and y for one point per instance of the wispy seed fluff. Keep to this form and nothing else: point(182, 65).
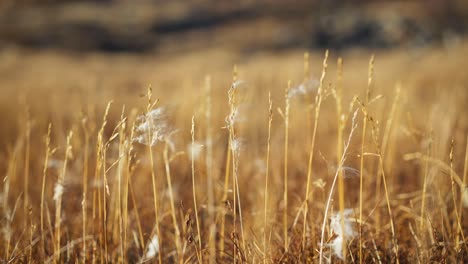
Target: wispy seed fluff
point(153, 127)
point(346, 233)
point(58, 191)
point(236, 145)
point(153, 248)
point(304, 88)
point(194, 150)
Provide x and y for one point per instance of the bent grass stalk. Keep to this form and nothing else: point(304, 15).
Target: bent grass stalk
point(44, 177)
point(235, 165)
point(85, 185)
point(26, 168)
point(192, 132)
point(332, 188)
point(285, 164)
point(58, 201)
point(363, 140)
point(463, 191)
point(171, 198)
point(209, 173)
point(225, 196)
point(424, 190)
point(459, 229)
point(267, 173)
point(100, 148)
point(374, 133)
point(120, 173)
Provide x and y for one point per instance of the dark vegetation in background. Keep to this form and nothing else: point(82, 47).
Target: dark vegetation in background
point(139, 26)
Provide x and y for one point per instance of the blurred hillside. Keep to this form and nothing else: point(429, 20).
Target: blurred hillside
point(163, 26)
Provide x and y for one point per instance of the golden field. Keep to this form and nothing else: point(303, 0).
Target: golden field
point(372, 142)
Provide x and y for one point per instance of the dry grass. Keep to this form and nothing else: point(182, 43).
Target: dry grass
point(392, 135)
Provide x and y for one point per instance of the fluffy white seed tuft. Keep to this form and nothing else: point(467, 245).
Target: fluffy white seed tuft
point(153, 127)
point(153, 248)
point(342, 233)
point(58, 191)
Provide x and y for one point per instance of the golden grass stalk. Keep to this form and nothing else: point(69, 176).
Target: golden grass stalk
point(85, 184)
point(171, 198)
point(285, 166)
point(123, 145)
point(386, 149)
point(363, 140)
point(267, 173)
point(424, 191)
point(127, 174)
point(385, 141)
point(192, 132)
point(100, 149)
point(6, 209)
point(389, 208)
point(235, 152)
point(58, 193)
point(374, 132)
point(44, 176)
point(458, 226)
point(209, 172)
point(318, 103)
point(465, 174)
point(26, 168)
point(225, 196)
point(339, 151)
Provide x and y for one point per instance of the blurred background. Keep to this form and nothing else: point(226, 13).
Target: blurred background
point(247, 26)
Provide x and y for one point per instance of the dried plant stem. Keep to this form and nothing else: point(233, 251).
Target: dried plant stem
point(100, 149)
point(225, 196)
point(384, 181)
point(361, 180)
point(58, 201)
point(363, 140)
point(389, 208)
point(171, 198)
point(155, 200)
point(424, 192)
point(120, 174)
point(465, 174)
point(26, 168)
point(267, 173)
point(388, 132)
point(137, 216)
point(339, 151)
point(105, 189)
point(459, 229)
point(127, 173)
point(384, 144)
point(12, 166)
point(200, 257)
point(318, 103)
point(209, 173)
point(85, 186)
point(235, 152)
point(44, 177)
point(439, 163)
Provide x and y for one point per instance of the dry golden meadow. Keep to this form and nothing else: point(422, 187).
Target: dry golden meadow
point(217, 156)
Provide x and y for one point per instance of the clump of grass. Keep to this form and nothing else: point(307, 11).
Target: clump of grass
point(108, 202)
